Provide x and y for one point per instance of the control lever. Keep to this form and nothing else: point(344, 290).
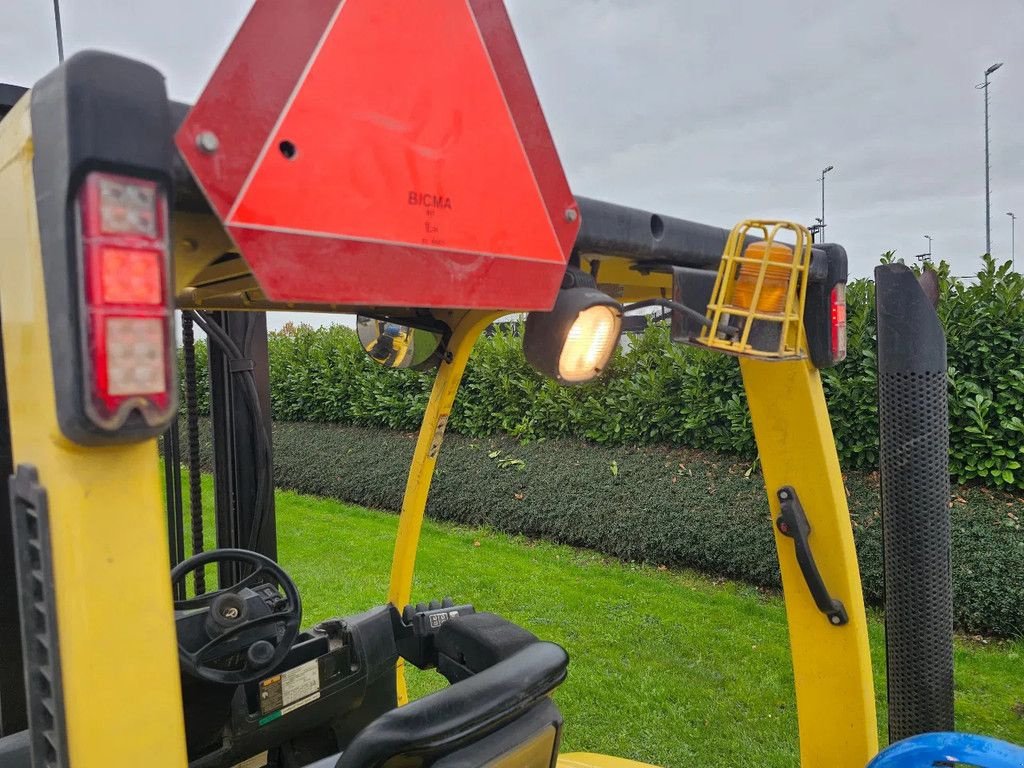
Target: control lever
point(792, 522)
point(415, 627)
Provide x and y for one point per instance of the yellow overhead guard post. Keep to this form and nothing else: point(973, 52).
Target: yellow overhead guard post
point(465, 332)
point(114, 621)
point(763, 288)
point(835, 693)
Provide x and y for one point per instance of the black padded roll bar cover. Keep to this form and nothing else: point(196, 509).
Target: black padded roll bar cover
point(481, 640)
point(910, 336)
point(611, 229)
point(455, 716)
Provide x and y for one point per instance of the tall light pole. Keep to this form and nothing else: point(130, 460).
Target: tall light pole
point(822, 219)
point(60, 34)
point(926, 258)
point(1013, 222)
point(988, 207)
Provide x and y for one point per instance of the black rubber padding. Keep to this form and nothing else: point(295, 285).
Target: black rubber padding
point(914, 466)
point(30, 509)
point(424, 731)
point(910, 336)
point(480, 640)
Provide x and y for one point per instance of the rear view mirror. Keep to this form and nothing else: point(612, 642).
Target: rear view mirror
point(399, 346)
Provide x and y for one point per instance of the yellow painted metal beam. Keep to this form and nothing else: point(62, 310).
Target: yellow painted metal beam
point(590, 760)
point(118, 651)
point(197, 241)
point(831, 664)
point(617, 276)
point(449, 375)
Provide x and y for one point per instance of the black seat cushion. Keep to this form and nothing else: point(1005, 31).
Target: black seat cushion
point(532, 741)
point(479, 641)
point(535, 735)
point(443, 722)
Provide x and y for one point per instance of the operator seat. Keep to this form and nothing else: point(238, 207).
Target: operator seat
point(500, 714)
point(497, 711)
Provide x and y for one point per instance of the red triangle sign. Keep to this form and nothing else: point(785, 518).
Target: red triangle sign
point(403, 157)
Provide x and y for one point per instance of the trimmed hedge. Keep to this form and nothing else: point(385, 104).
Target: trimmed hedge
point(677, 507)
point(659, 392)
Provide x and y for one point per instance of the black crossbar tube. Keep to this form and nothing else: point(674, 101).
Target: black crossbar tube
point(617, 230)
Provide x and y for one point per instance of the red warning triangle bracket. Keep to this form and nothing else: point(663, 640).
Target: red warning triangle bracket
point(385, 153)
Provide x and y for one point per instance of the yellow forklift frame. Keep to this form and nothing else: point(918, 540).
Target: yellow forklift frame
point(109, 539)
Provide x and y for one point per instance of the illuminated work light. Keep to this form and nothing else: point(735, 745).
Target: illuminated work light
point(575, 341)
point(126, 344)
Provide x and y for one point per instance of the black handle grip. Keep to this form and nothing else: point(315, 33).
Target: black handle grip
point(793, 523)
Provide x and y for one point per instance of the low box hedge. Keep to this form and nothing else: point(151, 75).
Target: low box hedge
point(664, 393)
point(677, 507)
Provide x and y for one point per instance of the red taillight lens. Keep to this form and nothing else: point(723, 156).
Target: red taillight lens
point(838, 303)
point(131, 276)
point(127, 350)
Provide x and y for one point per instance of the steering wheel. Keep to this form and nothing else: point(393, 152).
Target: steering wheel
point(236, 620)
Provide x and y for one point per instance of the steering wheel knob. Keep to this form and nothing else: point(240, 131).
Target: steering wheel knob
point(260, 654)
point(227, 611)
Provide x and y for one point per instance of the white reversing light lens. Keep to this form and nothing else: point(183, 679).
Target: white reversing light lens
point(589, 344)
point(127, 208)
point(135, 356)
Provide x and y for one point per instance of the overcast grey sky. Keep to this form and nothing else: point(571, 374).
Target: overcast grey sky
point(712, 111)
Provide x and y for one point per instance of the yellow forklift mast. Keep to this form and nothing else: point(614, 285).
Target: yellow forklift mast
point(395, 202)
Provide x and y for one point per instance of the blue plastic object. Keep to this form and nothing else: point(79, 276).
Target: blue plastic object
point(950, 749)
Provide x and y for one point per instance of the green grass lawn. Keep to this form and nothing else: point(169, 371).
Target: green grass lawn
point(667, 667)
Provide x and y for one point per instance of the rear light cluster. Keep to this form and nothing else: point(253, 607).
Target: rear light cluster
point(837, 301)
point(825, 310)
point(127, 352)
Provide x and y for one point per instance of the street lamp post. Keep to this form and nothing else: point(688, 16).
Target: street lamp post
point(822, 219)
point(60, 34)
point(1013, 222)
point(926, 258)
point(988, 207)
